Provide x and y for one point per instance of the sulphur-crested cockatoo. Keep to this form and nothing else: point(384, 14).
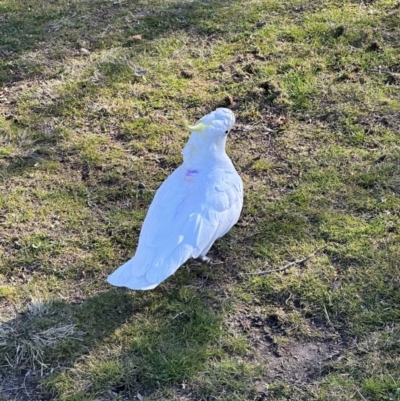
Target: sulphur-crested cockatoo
point(198, 203)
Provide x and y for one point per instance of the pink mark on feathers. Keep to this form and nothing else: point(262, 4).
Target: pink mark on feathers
point(189, 173)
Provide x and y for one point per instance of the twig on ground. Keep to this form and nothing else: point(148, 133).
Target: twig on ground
point(358, 391)
point(394, 75)
point(26, 375)
point(178, 314)
point(327, 316)
point(379, 71)
point(286, 267)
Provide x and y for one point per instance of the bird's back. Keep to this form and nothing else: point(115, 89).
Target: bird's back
point(192, 208)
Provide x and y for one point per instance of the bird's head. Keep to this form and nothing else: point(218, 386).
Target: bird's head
point(215, 124)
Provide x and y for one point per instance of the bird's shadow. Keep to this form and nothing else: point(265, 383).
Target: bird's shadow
point(157, 337)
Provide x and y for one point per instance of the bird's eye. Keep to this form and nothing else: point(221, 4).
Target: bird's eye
point(226, 132)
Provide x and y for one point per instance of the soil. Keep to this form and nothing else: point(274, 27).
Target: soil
point(21, 387)
point(298, 362)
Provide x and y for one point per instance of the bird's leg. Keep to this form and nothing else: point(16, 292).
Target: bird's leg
point(204, 259)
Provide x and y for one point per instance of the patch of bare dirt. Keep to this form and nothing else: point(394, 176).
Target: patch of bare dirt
point(20, 387)
point(389, 120)
point(299, 362)
point(303, 362)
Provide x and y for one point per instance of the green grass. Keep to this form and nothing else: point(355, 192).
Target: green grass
point(86, 137)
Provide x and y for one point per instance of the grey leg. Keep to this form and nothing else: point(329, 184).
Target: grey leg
point(204, 259)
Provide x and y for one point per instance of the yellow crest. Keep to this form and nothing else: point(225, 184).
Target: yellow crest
point(196, 128)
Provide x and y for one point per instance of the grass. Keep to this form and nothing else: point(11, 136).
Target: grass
point(93, 98)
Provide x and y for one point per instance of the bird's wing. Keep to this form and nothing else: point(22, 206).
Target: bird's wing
point(186, 216)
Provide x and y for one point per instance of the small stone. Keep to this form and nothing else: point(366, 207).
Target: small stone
point(136, 37)
point(187, 74)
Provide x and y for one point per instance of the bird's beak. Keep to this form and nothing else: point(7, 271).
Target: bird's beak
point(196, 128)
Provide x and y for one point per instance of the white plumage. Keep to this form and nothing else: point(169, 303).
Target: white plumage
point(198, 203)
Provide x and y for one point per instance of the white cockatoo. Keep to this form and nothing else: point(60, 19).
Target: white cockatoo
point(198, 203)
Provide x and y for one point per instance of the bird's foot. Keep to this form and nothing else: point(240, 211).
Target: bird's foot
point(204, 259)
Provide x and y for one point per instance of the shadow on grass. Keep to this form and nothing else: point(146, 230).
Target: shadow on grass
point(62, 29)
point(39, 39)
point(117, 339)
